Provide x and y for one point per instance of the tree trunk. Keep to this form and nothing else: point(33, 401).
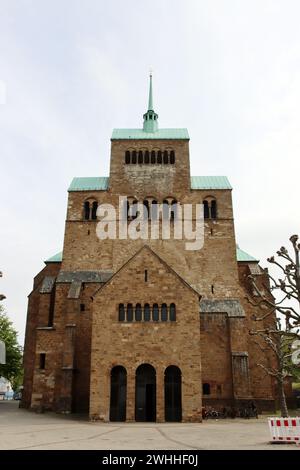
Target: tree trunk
point(282, 399)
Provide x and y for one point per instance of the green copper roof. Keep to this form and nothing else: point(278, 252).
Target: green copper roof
point(97, 183)
point(55, 259)
point(210, 182)
point(243, 256)
point(101, 183)
point(160, 134)
point(150, 102)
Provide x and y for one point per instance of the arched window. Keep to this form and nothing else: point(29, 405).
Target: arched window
point(166, 157)
point(140, 157)
point(206, 209)
point(173, 211)
point(154, 210)
point(138, 312)
point(94, 210)
point(159, 157)
point(133, 159)
point(127, 157)
point(87, 210)
point(173, 405)
point(146, 312)
point(153, 156)
point(172, 157)
point(146, 209)
point(172, 312)
point(206, 389)
point(213, 209)
point(121, 312)
point(155, 312)
point(146, 159)
point(166, 209)
point(164, 312)
point(129, 312)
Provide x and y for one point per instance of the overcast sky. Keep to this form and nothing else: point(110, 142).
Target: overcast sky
point(72, 70)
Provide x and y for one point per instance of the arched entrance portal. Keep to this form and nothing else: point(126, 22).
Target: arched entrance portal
point(145, 393)
point(118, 386)
point(173, 407)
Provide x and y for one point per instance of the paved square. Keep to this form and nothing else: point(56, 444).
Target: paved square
point(22, 429)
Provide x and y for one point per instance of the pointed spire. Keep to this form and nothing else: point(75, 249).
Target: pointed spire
point(150, 117)
point(150, 103)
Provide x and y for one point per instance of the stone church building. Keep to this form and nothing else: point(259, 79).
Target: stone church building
point(144, 329)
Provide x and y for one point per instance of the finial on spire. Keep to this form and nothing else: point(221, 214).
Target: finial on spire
point(150, 117)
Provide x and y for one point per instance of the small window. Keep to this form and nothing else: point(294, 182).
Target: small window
point(166, 157)
point(86, 210)
point(166, 209)
point(155, 313)
point(154, 212)
point(172, 157)
point(159, 157)
point(94, 210)
point(82, 307)
point(134, 157)
point(219, 389)
point(147, 312)
point(127, 157)
point(140, 157)
point(206, 389)
point(164, 312)
point(172, 312)
point(146, 209)
point(138, 312)
point(129, 312)
point(42, 361)
point(206, 209)
point(146, 275)
point(121, 312)
point(147, 159)
point(213, 209)
point(153, 156)
point(173, 212)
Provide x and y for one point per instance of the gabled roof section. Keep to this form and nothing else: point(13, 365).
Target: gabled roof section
point(55, 258)
point(244, 257)
point(210, 182)
point(160, 134)
point(89, 183)
point(147, 247)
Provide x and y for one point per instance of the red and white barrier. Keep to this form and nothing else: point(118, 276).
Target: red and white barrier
point(285, 429)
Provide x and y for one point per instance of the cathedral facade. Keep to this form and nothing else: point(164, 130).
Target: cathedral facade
point(142, 328)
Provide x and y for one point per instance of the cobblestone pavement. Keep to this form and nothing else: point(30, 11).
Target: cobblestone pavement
point(22, 429)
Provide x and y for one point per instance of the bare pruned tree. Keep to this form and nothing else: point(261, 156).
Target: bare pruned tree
point(279, 301)
point(2, 297)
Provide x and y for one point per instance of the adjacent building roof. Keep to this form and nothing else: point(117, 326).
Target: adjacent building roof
point(210, 182)
point(55, 258)
point(101, 183)
point(159, 134)
point(97, 183)
point(243, 256)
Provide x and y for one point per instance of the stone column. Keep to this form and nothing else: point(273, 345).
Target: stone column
point(160, 394)
point(130, 402)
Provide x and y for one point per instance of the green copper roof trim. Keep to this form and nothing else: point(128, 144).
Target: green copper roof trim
point(55, 259)
point(101, 183)
point(243, 256)
point(160, 134)
point(210, 182)
point(97, 183)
